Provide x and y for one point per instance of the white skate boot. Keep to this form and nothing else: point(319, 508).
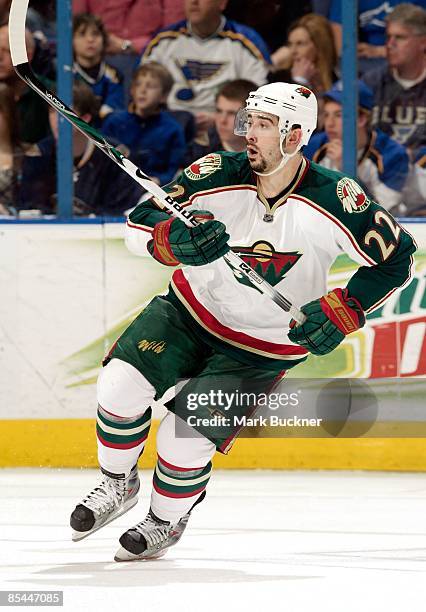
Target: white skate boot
point(114, 496)
point(152, 538)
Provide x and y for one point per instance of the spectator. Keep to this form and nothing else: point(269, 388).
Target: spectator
point(100, 185)
point(11, 152)
point(312, 56)
point(154, 139)
point(382, 162)
point(204, 52)
point(89, 43)
point(131, 23)
point(230, 98)
point(400, 86)
point(372, 16)
point(32, 110)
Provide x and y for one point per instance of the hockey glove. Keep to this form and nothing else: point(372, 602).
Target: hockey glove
point(328, 321)
point(174, 243)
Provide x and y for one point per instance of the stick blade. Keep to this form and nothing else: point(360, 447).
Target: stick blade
point(17, 18)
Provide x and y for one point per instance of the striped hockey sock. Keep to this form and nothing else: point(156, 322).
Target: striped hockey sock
point(176, 489)
point(121, 440)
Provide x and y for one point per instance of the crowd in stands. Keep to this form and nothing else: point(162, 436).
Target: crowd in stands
point(164, 79)
point(382, 162)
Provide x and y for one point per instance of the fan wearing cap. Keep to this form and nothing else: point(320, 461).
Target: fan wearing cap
point(382, 162)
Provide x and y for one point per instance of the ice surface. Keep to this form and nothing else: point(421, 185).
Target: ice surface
point(262, 540)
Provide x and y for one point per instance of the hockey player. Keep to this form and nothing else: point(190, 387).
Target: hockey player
point(289, 219)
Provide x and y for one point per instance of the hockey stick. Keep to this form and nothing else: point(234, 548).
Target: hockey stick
point(17, 17)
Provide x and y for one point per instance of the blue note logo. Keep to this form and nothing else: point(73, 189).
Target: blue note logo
point(194, 72)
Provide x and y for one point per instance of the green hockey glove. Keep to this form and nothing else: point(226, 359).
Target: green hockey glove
point(174, 243)
point(328, 320)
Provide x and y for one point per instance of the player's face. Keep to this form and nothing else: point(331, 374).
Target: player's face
point(224, 118)
point(263, 141)
point(333, 120)
point(6, 66)
point(88, 43)
point(301, 45)
point(203, 11)
point(147, 94)
point(404, 47)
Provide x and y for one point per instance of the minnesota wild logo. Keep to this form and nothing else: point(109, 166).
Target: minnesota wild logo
point(304, 91)
point(267, 262)
point(203, 167)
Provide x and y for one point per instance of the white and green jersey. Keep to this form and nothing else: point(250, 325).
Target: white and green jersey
point(291, 241)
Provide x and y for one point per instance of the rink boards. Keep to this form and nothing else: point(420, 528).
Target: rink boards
point(68, 290)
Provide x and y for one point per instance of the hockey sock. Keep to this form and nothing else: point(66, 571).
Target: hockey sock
point(176, 489)
point(121, 440)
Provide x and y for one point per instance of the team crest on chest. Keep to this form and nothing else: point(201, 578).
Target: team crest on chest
point(351, 195)
point(267, 262)
point(204, 167)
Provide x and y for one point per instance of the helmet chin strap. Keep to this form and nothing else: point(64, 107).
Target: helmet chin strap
point(284, 159)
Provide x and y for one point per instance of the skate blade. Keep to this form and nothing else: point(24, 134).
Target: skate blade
point(81, 535)
point(124, 555)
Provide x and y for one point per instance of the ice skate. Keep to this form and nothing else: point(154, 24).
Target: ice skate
point(114, 496)
point(152, 538)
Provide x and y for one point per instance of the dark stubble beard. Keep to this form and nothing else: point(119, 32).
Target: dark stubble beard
point(259, 166)
point(262, 164)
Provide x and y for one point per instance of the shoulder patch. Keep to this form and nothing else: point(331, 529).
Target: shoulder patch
point(351, 195)
point(204, 167)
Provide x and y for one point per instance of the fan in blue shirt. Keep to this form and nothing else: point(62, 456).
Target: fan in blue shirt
point(154, 139)
point(89, 44)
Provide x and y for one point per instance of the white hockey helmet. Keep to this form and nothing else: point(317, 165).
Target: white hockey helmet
point(293, 105)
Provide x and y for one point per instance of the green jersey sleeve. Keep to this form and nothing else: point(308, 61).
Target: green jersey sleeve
point(391, 248)
point(367, 232)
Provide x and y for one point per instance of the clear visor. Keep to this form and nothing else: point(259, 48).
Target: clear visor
point(244, 116)
point(241, 122)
